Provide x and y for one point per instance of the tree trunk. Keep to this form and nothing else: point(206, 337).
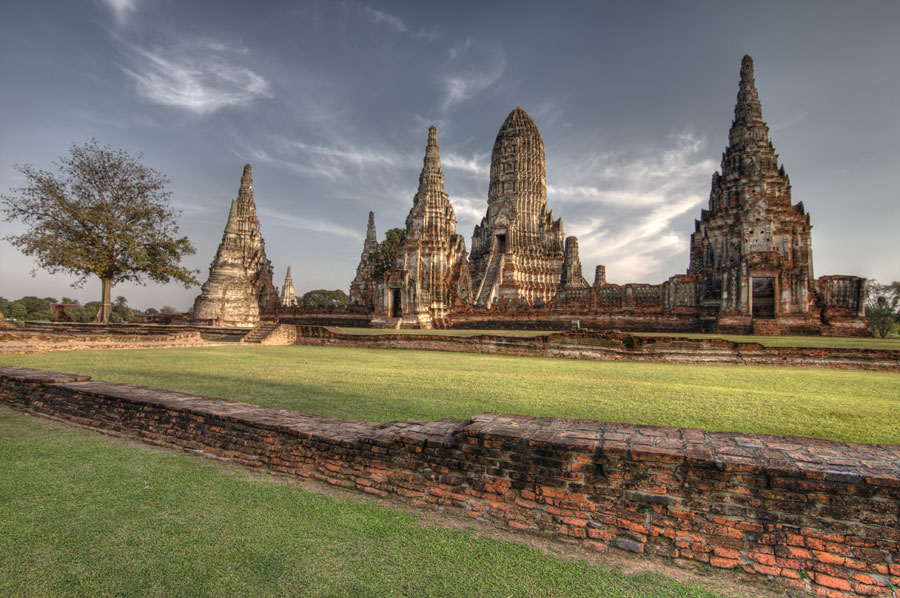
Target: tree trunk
point(105, 304)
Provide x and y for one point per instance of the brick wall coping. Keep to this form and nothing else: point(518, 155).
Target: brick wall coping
point(775, 454)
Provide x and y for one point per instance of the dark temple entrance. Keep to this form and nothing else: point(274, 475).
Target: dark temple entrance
point(501, 243)
point(763, 297)
point(396, 308)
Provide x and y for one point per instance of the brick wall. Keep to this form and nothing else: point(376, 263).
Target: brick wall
point(809, 514)
point(613, 345)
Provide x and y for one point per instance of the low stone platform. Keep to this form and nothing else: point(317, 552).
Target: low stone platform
point(18, 341)
point(809, 514)
point(613, 346)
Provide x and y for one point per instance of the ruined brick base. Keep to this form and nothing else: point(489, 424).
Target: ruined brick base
point(612, 346)
point(808, 514)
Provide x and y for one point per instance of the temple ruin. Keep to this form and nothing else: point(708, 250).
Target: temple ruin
point(752, 248)
point(750, 269)
point(287, 297)
point(517, 250)
point(430, 272)
point(240, 275)
point(362, 289)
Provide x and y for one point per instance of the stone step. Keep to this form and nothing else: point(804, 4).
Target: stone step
point(258, 334)
point(490, 277)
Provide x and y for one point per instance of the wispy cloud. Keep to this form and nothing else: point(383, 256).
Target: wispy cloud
point(645, 180)
point(200, 77)
point(797, 118)
point(293, 221)
point(328, 161)
point(121, 9)
point(478, 165)
point(469, 212)
point(640, 197)
point(394, 22)
point(460, 48)
point(468, 72)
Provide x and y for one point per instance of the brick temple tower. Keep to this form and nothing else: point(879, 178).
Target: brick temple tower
point(517, 250)
point(752, 247)
point(240, 275)
point(431, 269)
point(362, 288)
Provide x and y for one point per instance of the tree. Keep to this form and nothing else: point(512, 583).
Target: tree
point(16, 311)
point(382, 258)
point(325, 298)
point(120, 310)
point(36, 308)
point(103, 214)
point(883, 308)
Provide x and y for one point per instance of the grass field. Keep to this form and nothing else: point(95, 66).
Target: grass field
point(381, 385)
point(81, 515)
point(766, 341)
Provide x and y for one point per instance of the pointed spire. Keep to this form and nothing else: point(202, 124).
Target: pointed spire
point(432, 176)
point(245, 192)
point(287, 296)
point(748, 125)
point(370, 229)
point(431, 211)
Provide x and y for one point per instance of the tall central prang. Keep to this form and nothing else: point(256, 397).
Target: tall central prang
point(517, 250)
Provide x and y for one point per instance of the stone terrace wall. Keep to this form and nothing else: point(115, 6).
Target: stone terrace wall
point(23, 341)
point(548, 319)
point(809, 514)
point(613, 345)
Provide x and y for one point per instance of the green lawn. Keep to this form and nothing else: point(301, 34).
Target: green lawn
point(384, 385)
point(81, 515)
point(766, 341)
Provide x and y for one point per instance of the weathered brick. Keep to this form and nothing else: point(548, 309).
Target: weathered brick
point(833, 582)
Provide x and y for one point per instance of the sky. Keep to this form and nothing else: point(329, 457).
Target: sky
point(331, 103)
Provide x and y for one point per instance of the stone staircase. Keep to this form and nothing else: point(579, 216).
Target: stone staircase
point(393, 323)
point(489, 282)
point(765, 327)
point(258, 334)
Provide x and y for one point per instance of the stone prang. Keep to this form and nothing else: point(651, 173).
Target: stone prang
point(362, 289)
point(517, 250)
point(288, 298)
point(572, 285)
point(240, 275)
point(752, 248)
point(430, 270)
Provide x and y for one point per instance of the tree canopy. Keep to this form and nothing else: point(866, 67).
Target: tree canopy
point(883, 309)
point(382, 258)
point(324, 298)
point(101, 214)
